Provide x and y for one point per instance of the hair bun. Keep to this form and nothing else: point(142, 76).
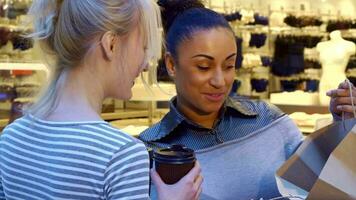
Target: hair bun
point(172, 8)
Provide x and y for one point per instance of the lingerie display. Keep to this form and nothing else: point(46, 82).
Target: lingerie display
point(257, 40)
point(289, 53)
point(239, 56)
point(333, 25)
point(302, 21)
point(20, 42)
point(288, 56)
point(247, 17)
point(259, 85)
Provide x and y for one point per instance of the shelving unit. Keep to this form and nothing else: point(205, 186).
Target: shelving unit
point(24, 66)
point(272, 31)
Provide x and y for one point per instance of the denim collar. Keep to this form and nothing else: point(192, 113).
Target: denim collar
point(174, 118)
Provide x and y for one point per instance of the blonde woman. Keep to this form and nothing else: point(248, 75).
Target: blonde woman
point(61, 148)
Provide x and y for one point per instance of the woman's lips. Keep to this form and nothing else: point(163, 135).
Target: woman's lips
point(215, 97)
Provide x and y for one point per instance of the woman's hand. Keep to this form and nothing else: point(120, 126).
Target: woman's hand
point(341, 100)
point(188, 188)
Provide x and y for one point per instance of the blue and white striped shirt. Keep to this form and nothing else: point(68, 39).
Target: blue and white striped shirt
point(71, 160)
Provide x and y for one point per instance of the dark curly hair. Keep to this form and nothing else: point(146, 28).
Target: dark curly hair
point(182, 18)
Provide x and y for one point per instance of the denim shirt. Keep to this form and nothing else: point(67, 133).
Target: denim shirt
point(238, 118)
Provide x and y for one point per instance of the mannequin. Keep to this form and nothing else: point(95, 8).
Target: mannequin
point(334, 55)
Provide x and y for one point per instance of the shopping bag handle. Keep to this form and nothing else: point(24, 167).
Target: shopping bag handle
point(352, 102)
point(290, 197)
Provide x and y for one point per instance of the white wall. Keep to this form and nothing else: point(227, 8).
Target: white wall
point(346, 8)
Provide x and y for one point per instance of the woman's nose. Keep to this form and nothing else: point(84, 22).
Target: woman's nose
point(218, 79)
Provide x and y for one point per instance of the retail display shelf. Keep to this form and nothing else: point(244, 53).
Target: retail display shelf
point(120, 114)
point(3, 122)
point(22, 66)
point(124, 114)
point(309, 109)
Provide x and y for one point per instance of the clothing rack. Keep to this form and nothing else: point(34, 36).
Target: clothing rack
point(274, 29)
point(233, 7)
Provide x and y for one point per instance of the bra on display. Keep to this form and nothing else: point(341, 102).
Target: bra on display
point(302, 21)
point(340, 25)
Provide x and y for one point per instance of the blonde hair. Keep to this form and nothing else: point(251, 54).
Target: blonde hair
point(66, 29)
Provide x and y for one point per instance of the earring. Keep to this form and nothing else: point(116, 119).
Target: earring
point(170, 73)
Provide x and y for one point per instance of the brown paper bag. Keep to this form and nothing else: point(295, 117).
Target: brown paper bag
point(338, 177)
point(305, 169)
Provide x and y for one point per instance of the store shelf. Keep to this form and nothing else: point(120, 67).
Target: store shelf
point(289, 109)
point(3, 122)
point(131, 115)
point(124, 114)
point(23, 66)
point(133, 127)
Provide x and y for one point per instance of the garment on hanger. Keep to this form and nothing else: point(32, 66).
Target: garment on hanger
point(232, 16)
point(257, 40)
point(239, 55)
point(266, 61)
point(5, 36)
point(311, 64)
point(311, 76)
point(312, 85)
point(339, 25)
point(259, 85)
point(289, 53)
point(288, 57)
point(20, 42)
point(290, 85)
point(302, 21)
point(310, 41)
point(260, 20)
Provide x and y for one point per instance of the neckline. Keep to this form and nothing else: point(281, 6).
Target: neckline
point(47, 122)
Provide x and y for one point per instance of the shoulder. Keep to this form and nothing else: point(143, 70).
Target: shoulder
point(321, 45)
point(112, 134)
point(151, 132)
point(261, 107)
point(13, 126)
point(93, 134)
point(351, 46)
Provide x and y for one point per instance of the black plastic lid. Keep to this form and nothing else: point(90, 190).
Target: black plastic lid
point(176, 154)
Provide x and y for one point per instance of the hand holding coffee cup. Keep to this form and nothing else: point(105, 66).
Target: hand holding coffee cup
point(177, 174)
point(173, 163)
point(187, 188)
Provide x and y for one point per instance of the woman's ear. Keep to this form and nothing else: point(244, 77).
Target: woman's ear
point(108, 41)
point(170, 65)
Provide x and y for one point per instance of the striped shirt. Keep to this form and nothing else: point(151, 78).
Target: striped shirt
point(71, 160)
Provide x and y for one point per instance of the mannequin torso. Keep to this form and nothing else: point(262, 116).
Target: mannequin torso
point(334, 55)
